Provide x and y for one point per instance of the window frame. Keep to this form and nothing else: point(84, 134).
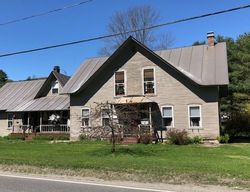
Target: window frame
point(172, 107)
point(125, 83)
point(189, 122)
point(84, 108)
point(142, 74)
point(53, 83)
point(8, 120)
point(102, 117)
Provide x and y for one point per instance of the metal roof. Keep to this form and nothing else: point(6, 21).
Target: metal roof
point(63, 79)
point(15, 93)
point(205, 65)
point(84, 72)
point(49, 103)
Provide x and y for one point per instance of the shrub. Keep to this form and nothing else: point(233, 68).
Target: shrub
point(223, 139)
point(14, 137)
point(146, 138)
point(195, 140)
point(83, 137)
point(51, 137)
point(178, 137)
point(43, 138)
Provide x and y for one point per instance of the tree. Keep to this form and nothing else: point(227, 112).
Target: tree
point(235, 107)
point(116, 121)
point(237, 103)
point(133, 19)
point(3, 78)
point(239, 69)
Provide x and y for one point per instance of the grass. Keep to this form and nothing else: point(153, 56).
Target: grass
point(226, 164)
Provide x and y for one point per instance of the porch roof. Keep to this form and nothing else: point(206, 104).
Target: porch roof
point(49, 103)
point(132, 100)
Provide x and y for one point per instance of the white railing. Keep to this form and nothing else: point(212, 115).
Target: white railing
point(54, 128)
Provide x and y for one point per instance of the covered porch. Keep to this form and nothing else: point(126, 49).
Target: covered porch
point(48, 114)
point(46, 122)
point(138, 116)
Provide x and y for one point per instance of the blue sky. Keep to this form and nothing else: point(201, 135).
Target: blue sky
point(90, 20)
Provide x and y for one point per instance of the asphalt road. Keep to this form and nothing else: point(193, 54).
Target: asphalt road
point(18, 184)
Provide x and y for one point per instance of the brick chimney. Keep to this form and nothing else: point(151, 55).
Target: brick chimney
point(210, 38)
point(56, 69)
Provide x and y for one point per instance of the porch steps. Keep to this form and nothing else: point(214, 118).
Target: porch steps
point(130, 140)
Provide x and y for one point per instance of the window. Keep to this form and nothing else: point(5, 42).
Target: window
point(10, 120)
point(167, 116)
point(105, 117)
point(54, 87)
point(148, 81)
point(85, 117)
point(119, 83)
point(195, 116)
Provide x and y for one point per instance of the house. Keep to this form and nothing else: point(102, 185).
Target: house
point(35, 105)
point(184, 85)
point(176, 89)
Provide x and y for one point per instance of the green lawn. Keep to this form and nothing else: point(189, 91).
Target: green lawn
point(190, 163)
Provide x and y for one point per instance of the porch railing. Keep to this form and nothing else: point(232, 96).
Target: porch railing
point(53, 128)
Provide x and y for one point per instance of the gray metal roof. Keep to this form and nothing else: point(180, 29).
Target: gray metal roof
point(15, 93)
point(205, 65)
point(63, 79)
point(49, 103)
point(84, 72)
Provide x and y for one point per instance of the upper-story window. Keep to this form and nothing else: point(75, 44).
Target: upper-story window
point(195, 116)
point(55, 87)
point(148, 81)
point(119, 83)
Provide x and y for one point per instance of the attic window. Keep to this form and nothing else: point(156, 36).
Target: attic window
point(55, 87)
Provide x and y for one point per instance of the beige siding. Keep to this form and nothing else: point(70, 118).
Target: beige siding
point(4, 130)
point(179, 93)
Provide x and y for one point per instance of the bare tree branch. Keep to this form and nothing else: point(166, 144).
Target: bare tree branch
point(132, 19)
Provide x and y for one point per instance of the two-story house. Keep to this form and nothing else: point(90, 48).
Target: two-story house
point(184, 85)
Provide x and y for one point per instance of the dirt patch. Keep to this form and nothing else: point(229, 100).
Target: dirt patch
point(173, 183)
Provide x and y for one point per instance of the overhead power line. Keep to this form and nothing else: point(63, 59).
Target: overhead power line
point(44, 13)
point(127, 32)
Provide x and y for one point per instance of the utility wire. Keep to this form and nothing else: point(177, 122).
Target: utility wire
point(127, 32)
point(45, 13)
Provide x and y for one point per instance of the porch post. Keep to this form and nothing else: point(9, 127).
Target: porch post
point(41, 121)
point(150, 117)
point(28, 122)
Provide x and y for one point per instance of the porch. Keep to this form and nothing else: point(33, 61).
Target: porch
point(139, 116)
point(44, 122)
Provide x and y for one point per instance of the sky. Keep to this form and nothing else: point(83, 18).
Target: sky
point(90, 20)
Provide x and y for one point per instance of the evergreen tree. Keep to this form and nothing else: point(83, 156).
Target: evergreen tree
point(3, 78)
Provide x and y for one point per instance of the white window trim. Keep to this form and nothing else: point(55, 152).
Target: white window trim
point(125, 83)
point(195, 105)
point(53, 88)
point(142, 80)
point(82, 117)
point(173, 125)
point(10, 120)
point(103, 118)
